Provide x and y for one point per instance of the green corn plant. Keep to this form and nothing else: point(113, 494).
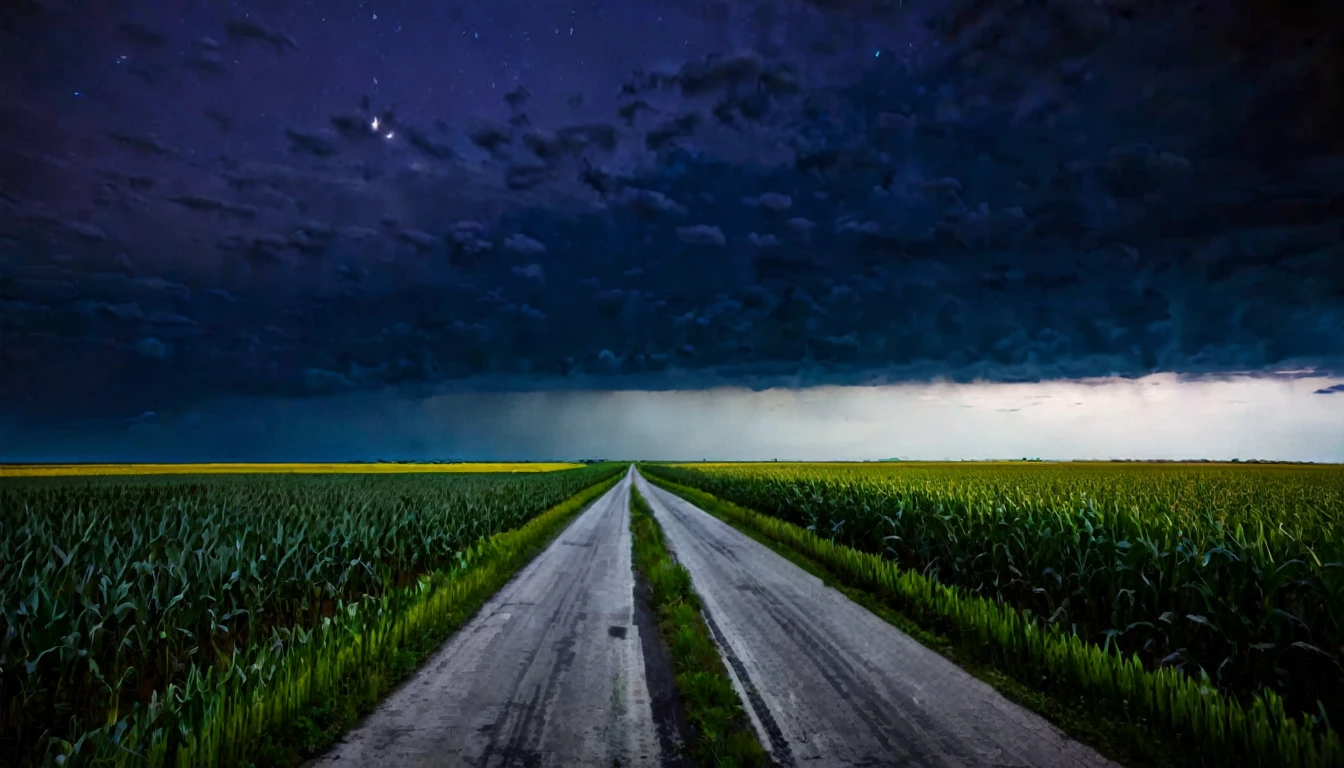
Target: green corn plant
point(175, 620)
point(1205, 599)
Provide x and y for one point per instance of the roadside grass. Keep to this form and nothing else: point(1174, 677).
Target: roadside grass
point(1124, 742)
point(721, 734)
point(319, 726)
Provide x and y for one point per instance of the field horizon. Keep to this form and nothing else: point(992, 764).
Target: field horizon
point(393, 466)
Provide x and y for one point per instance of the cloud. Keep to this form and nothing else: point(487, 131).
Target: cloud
point(1333, 389)
point(702, 234)
point(152, 348)
point(522, 244)
point(758, 225)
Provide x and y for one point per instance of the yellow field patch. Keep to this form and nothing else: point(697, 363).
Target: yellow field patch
point(978, 463)
point(60, 470)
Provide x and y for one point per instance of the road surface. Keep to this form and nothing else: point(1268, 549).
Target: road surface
point(831, 684)
point(550, 672)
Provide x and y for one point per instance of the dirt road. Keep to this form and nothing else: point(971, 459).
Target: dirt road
point(550, 672)
point(831, 684)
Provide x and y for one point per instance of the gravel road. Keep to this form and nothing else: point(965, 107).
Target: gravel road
point(550, 672)
point(829, 683)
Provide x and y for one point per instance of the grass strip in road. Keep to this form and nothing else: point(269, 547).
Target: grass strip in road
point(721, 734)
point(1133, 715)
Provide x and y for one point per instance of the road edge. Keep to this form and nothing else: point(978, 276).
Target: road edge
point(313, 732)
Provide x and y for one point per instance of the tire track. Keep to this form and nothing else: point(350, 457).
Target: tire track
point(778, 745)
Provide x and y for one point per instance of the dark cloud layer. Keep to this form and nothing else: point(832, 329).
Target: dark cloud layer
point(287, 200)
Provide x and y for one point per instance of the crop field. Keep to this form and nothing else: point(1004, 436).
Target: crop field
point(1232, 574)
point(162, 618)
point(77, 470)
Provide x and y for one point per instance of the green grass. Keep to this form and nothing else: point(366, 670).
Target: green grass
point(1228, 571)
point(323, 724)
point(1103, 734)
point(300, 678)
point(1076, 686)
point(720, 732)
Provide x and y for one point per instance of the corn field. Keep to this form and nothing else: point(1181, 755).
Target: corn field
point(1233, 576)
point(153, 615)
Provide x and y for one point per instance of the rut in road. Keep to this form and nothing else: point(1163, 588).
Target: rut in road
point(550, 671)
point(832, 684)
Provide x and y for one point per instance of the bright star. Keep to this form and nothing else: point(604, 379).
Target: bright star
point(375, 124)
point(389, 135)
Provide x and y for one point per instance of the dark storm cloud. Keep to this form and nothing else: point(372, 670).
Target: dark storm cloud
point(305, 201)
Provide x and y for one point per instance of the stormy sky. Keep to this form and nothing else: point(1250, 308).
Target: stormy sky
point(1153, 417)
point(240, 230)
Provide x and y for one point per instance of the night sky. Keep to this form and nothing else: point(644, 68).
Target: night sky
point(289, 203)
